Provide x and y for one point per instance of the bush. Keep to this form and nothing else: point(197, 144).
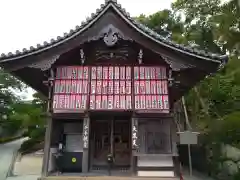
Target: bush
point(37, 133)
point(27, 145)
point(236, 176)
point(36, 136)
point(25, 134)
point(10, 127)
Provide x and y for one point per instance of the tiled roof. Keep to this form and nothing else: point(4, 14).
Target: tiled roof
point(138, 26)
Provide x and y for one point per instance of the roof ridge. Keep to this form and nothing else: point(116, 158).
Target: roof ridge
point(146, 30)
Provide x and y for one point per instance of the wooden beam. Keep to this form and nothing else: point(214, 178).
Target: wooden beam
point(47, 144)
point(48, 128)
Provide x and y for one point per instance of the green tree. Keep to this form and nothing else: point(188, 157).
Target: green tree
point(166, 23)
point(30, 118)
point(17, 114)
point(39, 100)
point(214, 104)
point(219, 22)
point(8, 84)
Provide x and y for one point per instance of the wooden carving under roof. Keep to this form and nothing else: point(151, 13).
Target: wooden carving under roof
point(109, 34)
point(119, 54)
point(176, 66)
point(45, 64)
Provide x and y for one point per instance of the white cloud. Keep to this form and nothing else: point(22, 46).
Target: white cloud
point(25, 23)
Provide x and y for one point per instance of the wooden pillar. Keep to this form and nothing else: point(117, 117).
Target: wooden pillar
point(48, 116)
point(173, 139)
point(86, 131)
point(47, 145)
point(134, 134)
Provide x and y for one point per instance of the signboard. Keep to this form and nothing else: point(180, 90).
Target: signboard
point(188, 137)
point(85, 133)
point(134, 133)
point(151, 88)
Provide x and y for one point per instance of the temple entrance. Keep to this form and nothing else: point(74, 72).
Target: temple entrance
point(110, 136)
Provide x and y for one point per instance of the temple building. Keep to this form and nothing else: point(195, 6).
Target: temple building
point(111, 84)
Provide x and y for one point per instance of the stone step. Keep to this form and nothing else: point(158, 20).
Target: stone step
point(105, 178)
point(169, 174)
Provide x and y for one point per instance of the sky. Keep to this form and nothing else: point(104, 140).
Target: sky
point(25, 23)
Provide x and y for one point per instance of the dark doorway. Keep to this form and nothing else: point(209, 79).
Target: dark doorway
point(110, 136)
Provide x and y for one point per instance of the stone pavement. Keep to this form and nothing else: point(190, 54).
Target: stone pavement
point(195, 176)
point(35, 177)
point(29, 164)
point(7, 152)
point(25, 177)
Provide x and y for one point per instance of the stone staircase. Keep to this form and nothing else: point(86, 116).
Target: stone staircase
point(156, 166)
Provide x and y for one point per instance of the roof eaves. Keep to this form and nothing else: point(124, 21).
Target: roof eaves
point(60, 39)
point(125, 15)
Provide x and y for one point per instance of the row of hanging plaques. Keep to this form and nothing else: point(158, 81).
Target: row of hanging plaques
point(110, 88)
point(141, 87)
point(110, 102)
point(111, 72)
